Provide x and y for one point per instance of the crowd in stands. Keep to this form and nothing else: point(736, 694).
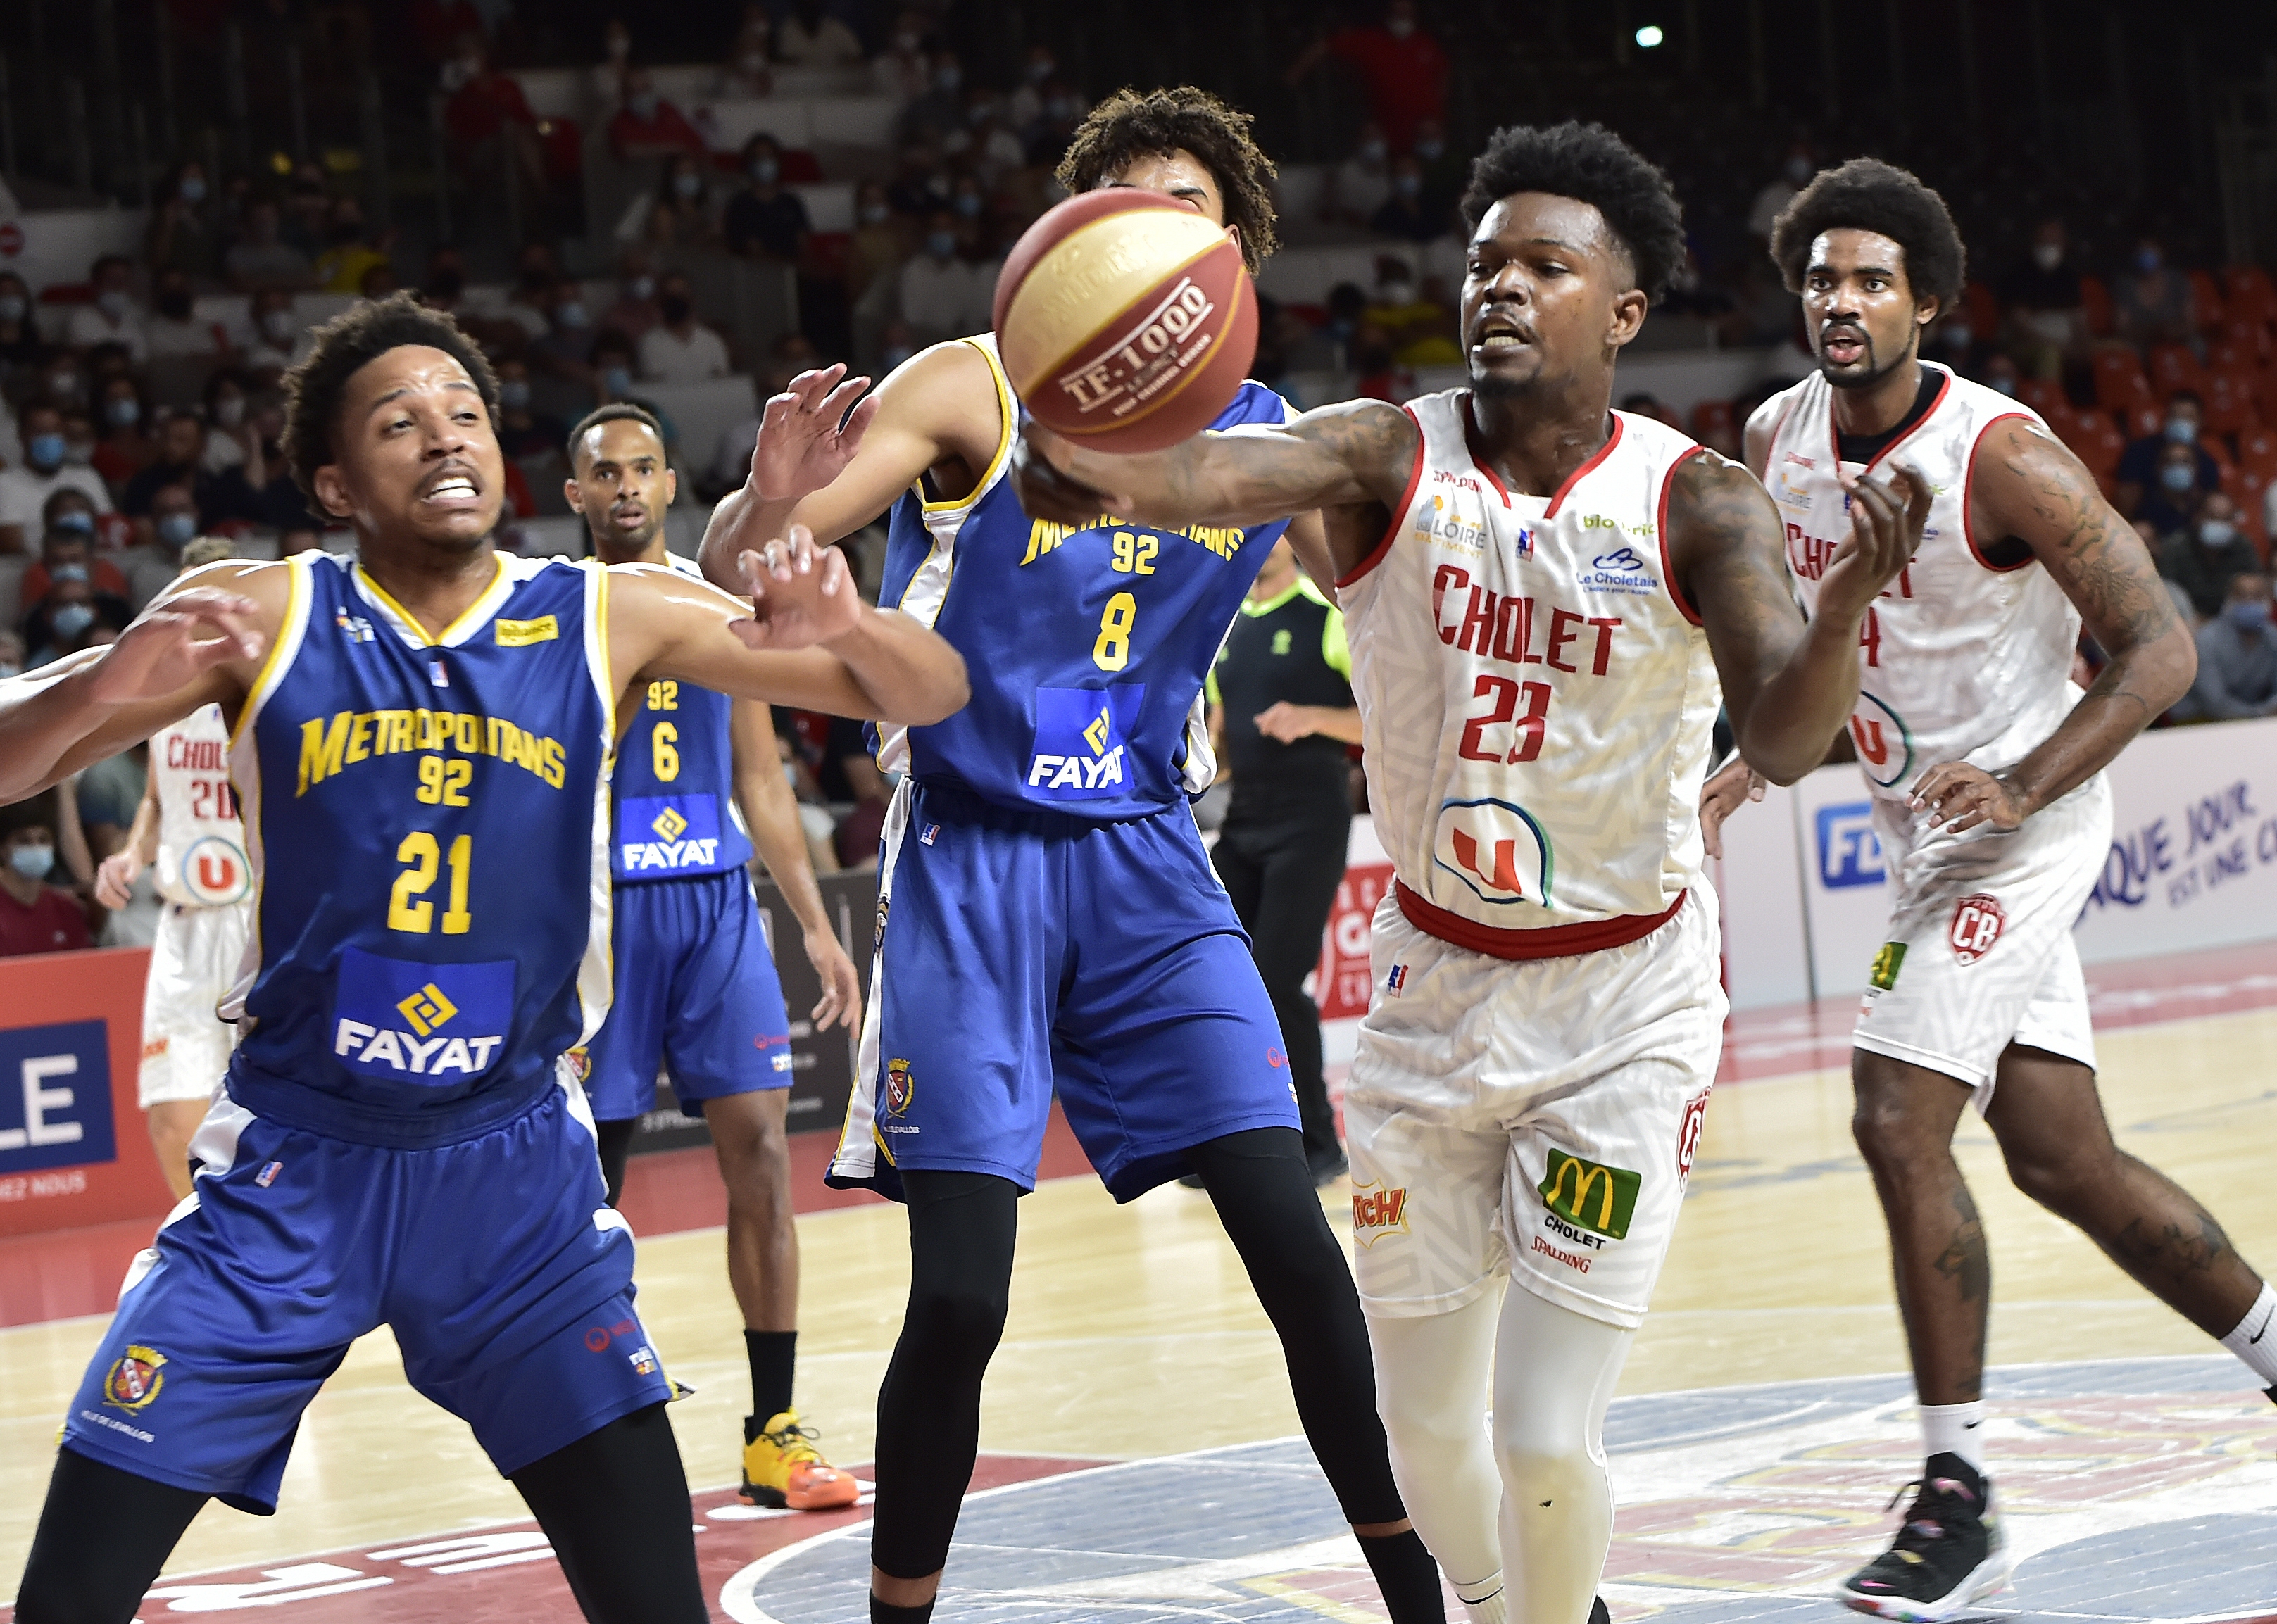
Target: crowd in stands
point(142, 407)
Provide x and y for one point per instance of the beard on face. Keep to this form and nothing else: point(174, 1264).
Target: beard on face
point(1873, 373)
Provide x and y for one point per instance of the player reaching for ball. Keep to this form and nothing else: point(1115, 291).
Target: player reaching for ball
point(1046, 915)
point(419, 738)
point(1540, 596)
point(1986, 771)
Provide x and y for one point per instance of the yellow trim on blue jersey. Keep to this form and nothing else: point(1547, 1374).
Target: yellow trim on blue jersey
point(1009, 415)
point(272, 672)
point(604, 670)
point(480, 610)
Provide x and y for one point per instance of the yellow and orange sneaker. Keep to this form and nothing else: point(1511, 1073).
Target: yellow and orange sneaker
point(781, 1467)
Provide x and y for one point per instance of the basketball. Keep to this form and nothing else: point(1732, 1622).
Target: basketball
point(1125, 321)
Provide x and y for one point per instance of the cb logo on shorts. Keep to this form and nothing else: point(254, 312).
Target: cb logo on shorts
point(1976, 922)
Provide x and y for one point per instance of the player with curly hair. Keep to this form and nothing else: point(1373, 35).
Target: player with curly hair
point(419, 738)
point(1042, 927)
point(1540, 593)
point(1985, 768)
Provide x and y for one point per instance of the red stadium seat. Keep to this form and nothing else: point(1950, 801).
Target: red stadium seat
point(2251, 491)
point(2119, 380)
point(2096, 441)
point(2247, 295)
point(2205, 294)
point(1712, 417)
point(2143, 421)
point(2228, 399)
point(2248, 339)
point(1983, 311)
point(2173, 367)
point(2043, 397)
point(2257, 450)
point(2095, 298)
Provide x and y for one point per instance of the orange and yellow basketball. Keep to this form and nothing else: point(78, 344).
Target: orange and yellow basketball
point(1125, 321)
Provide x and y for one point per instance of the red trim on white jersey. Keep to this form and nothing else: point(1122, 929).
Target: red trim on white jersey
point(1581, 472)
point(1660, 528)
point(1555, 942)
point(1398, 512)
point(1969, 485)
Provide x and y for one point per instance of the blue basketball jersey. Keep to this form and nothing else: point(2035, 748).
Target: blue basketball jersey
point(675, 792)
point(1086, 647)
point(429, 837)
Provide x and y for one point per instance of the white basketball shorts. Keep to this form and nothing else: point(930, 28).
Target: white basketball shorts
point(1979, 953)
point(1533, 1119)
point(193, 963)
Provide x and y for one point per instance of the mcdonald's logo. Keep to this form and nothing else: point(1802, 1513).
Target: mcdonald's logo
point(1600, 1199)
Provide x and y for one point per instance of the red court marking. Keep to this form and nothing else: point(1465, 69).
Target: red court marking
point(506, 1574)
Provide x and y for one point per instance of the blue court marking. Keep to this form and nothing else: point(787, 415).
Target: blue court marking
point(1251, 1534)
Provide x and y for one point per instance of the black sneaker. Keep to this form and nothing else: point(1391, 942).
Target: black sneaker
point(1598, 1615)
point(1947, 1556)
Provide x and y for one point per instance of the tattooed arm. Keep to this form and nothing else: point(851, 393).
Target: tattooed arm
point(2025, 484)
point(1789, 685)
point(1350, 460)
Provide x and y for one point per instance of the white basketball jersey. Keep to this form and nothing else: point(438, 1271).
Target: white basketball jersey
point(201, 843)
point(1962, 659)
point(1537, 701)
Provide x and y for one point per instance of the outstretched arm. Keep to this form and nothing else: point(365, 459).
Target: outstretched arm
point(1788, 684)
point(806, 638)
point(2026, 484)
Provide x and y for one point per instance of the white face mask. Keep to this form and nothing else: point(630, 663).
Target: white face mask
point(2047, 255)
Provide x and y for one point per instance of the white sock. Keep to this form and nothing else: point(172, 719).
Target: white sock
point(1956, 1430)
point(2253, 1341)
point(1484, 1601)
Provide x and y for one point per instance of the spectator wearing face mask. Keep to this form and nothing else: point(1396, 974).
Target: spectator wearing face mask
point(896, 343)
point(260, 257)
point(20, 337)
point(226, 400)
point(808, 38)
point(604, 85)
point(2204, 555)
point(876, 249)
point(564, 349)
point(1405, 69)
point(633, 311)
point(67, 553)
point(170, 525)
point(2145, 484)
point(941, 109)
point(748, 75)
point(174, 329)
point(53, 625)
point(1401, 214)
point(524, 431)
point(1419, 330)
point(181, 236)
point(679, 349)
point(1024, 108)
point(766, 220)
point(1361, 183)
point(2151, 303)
point(615, 358)
point(488, 118)
point(125, 447)
point(902, 70)
point(1795, 171)
point(2238, 658)
point(23, 491)
point(178, 458)
point(676, 214)
point(2047, 312)
point(943, 295)
point(1445, 170)
point(279, 339)
point(35, 917)
point(115, 317)
point(647, 126)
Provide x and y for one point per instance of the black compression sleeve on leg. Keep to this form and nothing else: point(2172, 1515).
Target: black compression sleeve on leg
point(615, 1505)
point(962, 1228)
point(616, 1143)
point(1406, 1576)
point(103, 1535)
point(1265, 1197)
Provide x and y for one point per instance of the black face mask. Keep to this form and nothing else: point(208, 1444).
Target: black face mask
point(676, 308)
point(175, 306)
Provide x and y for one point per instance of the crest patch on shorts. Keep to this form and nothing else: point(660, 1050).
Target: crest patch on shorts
point(1976, 922)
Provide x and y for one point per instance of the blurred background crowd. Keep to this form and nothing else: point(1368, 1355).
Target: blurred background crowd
point(686, 206)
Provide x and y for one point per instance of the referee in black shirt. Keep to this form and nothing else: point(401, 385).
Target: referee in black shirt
point(1281, 704)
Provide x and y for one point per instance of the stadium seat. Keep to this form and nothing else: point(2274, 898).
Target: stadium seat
point(2095, 298)
point(2095, 440)
point(1711, 417)
point(2042, 396)
point(2172, 368)
point(2248, 338)
point(2247, 294)
point(2228, 398)
point(2205, 294)
point(2142, 421)
point(2251, 493)
point(2257, 450)
point(2119, 380)
point(1983, 311)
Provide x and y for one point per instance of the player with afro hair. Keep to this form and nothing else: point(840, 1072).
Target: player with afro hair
point(1589, 162)
point(1867, 194)
point(1131, 124)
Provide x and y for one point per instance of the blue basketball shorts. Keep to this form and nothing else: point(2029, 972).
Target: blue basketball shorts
point(1021, 950)
point(696, 993)
point(505, 1277)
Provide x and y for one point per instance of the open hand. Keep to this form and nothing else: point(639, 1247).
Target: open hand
point(806, 438)
point(174, 642)
point(1958, 797)
point(1723, 794)
point(115, 876)
point(841, 988)
point(1047, 490)
point(1285, 722)
point(1886, 530)
point(800, 593)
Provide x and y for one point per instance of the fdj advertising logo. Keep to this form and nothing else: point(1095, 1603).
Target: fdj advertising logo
point(1849, 852)
point(55, 1097)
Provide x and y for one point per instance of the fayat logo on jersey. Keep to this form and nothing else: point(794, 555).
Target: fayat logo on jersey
point(1494, 849)
point(1081, 735)
point(215, 871)
point(435, 1024)
point(662, 833)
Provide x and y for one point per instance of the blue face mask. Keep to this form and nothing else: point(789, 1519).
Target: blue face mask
point(124, 412)
point(569, 313)
point(940, 244)
point(73, 522)
point(968, 204)
point(175, 529)
point(68, 572)
point(2216, 533)
point(192, 189)
point(2178, 477)
point(2250, 617)
point(618, 381)
point(2146, 260)
point(2183, 430)
point(32, 862)
point(67, 622)
point(12, 307)
point(44, 452)
point(513, 394)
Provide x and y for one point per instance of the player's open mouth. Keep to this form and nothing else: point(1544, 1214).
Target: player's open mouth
point(451, 491)
point(632, 516)
point(1843, 346)
point(1497, 339)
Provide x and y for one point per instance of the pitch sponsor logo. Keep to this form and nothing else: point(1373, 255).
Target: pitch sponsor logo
point(1378, 1212)
point(1495, 849)
point(1849, 851)
point(1589, 1196)
point(1976, 925)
